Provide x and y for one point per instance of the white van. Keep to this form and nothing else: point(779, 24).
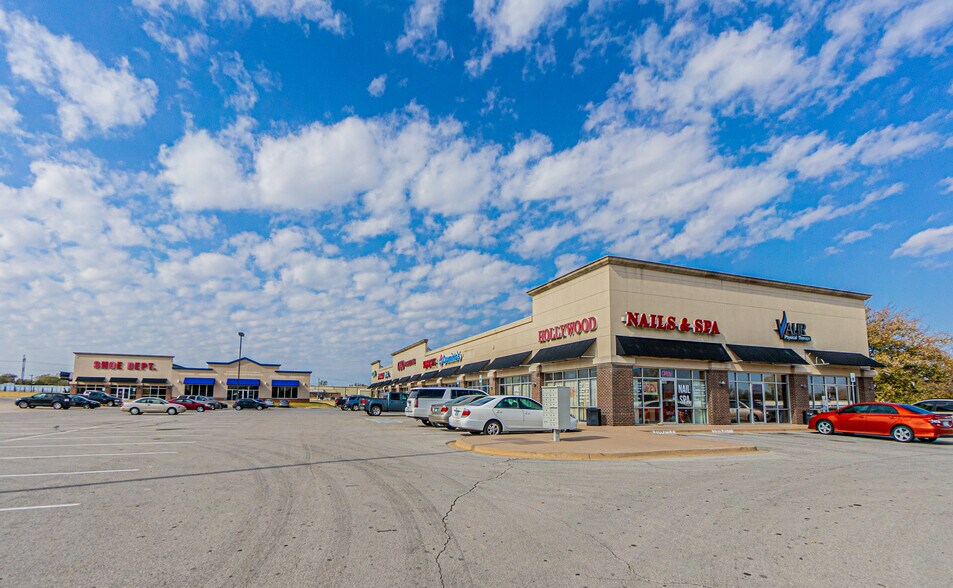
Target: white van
point(420, 399)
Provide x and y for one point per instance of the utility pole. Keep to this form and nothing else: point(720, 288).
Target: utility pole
point(23, 369)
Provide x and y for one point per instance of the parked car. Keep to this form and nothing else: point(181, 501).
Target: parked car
point(440, 413)
point(151, 404)
point(82, 401)
point(340, 401)
point(268, 402)
point(902, 422)
point(55, 400)
point(939, 405)
point(499, 414)
point(392, 402)
point(191, 404)
point(103, 398)
point(284, 404)
point(207, 400)
point(355, 402)
point(249, 403)
point(420, 400)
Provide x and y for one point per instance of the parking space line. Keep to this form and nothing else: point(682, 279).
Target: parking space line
point(56, 433)
point(68, 473)
point(38, 507)
point(87, 455)
point(99, 444)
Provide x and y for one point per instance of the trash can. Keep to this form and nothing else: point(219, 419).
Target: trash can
point(593, 417)
point(808, 414)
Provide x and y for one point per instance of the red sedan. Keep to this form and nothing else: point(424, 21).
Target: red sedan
point(191, 404)
point(903, 422)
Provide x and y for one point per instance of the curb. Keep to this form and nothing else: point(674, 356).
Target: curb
point(462, 445)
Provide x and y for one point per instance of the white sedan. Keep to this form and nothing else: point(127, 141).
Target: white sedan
point(151, 404)
point(497, 414)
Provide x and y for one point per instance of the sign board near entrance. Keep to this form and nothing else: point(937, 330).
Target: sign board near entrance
point(555, 407)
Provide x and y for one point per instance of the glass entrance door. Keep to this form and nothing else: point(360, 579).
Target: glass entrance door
point(124, 392)
point(669, 414)
point(758, 398)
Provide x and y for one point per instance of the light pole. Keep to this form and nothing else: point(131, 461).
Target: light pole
point(241, 337)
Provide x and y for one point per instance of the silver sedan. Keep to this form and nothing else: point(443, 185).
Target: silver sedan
point(151, 404)
point(498, 414)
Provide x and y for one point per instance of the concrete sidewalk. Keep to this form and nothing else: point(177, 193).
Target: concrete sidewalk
point(608, 443)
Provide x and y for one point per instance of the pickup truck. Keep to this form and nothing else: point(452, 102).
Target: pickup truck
point(393, 402)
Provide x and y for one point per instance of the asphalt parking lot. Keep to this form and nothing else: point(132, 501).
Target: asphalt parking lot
point(299, 497)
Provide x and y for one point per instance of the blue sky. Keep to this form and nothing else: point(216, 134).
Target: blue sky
point(339, 179)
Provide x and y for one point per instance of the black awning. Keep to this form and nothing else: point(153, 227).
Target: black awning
point(154, 381)
point(372, 386)
point(90, 379)
point(428, 375)
point(447, 371)
point(756, 354)
point(472, 368)
point(383, 383)
point(508, 361)
point(414, 377)
point(845, 358)
point(562, 352)
point(123, 380)
point(670, 349)
point(403, 379)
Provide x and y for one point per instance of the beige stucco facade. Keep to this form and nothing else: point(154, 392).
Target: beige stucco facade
point(607, 299)
point(132, 376)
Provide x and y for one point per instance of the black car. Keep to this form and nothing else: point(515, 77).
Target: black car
point(103, 398)
point(340, 401)
point(56, 400)
point(82, 401)
point(249, 403)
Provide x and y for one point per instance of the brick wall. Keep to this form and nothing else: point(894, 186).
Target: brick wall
point(536, 386)
point(718, 411)
point(614, 391)
point(494, 384)
point(799, 397)
point(865, 390)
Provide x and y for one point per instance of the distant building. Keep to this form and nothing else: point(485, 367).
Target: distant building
point(327, 392)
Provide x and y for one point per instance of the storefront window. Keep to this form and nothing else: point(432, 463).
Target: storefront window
point(284, 392)
point(156, 391)
point(84, 388)
point(758, 398)
point(831, 392)
point(199, 390)
point(239, 392)
point(582, 389)
point(479, 384)
point(518, 385)
point(668, 395)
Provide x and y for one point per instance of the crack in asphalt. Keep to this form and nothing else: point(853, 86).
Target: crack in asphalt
point(446, 530)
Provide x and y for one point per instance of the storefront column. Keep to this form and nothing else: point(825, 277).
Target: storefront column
point(799, 397)
point(865, 390)
point(536, 382)
point(614, 394)
point(716, 386)
point(494, 383)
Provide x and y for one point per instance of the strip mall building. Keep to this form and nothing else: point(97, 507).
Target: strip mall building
point(648, 343)
point(134, 376)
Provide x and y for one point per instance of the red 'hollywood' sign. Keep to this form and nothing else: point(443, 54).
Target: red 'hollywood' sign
point(642, 320)
point(586, 325)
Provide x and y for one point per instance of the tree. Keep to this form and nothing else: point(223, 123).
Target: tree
point(918, 361)
point(7, 378)
point(50, 380)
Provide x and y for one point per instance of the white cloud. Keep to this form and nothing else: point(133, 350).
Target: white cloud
point(192, 43)
point(204, 174)
point(513, 25)
point(848, 237)
point(947, 184)
point(319, 11)
point(921, 29)
point(377, 86)
point(9, 116)
point(420, 32)
point(927, 243)
point(90, 96)
point(242, 93)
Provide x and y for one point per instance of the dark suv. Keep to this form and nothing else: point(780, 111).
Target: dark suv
point(103, 398)
point(55, 400)
point(249, 403)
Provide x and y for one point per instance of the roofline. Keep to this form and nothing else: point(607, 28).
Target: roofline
point(408, 347)
point(609, 260)
point(122, 354)
point(243, 358)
